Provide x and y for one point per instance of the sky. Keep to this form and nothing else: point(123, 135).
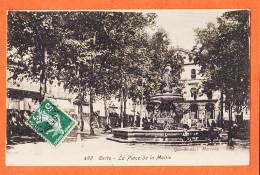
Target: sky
point(180, 24)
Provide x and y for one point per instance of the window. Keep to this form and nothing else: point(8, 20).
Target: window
point(210, 110)
point(193, 74)
point(194, 111)
point(193, 92)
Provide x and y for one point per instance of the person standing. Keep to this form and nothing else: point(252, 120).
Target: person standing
point(185, 134)
point(92, 126)
point(211, 134)
point(230, 136)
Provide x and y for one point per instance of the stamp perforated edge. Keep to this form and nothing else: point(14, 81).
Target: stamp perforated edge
point(46, 139)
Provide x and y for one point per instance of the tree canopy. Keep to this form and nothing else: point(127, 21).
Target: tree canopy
point(93, 53)
point(36, 36)
point(222, 51)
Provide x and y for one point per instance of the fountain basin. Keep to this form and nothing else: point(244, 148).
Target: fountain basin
point(134, 135)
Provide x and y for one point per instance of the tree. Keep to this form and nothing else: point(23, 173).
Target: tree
point(127, 31)
point(222, 51)
point(156, 55)
point(99, 45)
point(147, 65)
point(153, 55)
point(82, 57)
point(93, 53)
point(36, 37)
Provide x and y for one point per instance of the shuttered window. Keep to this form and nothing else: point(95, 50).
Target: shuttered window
point(193, 74)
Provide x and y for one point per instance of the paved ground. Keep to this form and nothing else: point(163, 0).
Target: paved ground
point(99, 151)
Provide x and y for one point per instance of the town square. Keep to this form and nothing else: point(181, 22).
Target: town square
point(144, 87)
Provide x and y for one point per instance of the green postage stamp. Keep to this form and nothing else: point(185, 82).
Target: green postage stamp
point(51, 123)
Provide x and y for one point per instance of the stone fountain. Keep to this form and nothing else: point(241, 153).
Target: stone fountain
point(165, 104)
point(166, 101)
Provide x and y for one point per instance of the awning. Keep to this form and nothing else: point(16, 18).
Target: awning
point(64, 104)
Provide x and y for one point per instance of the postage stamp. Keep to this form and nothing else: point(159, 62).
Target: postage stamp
point(51, 123)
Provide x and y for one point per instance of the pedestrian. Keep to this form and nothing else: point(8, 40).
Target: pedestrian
point(185, 134)
point(107, 128)
point(165, 126)
point(92, 129)
point(213, 124)
point(235, 131)
point(230, 136)
point(211, 134)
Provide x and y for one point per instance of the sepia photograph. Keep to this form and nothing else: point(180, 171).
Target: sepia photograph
point(129, 88)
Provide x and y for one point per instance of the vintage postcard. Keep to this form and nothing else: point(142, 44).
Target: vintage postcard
point(143, 87)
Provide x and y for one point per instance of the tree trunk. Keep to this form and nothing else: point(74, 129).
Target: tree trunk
point(80, 102)
point(124, 114)
point(142, 103)
point(105, 106)
point(230, 128)
point(91, 117)
point(221, 109)
point(81, 115)
point(121, 108)
point(230, 115)
point(43, 78)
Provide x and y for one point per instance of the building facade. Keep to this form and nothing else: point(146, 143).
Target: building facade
point(202, 105)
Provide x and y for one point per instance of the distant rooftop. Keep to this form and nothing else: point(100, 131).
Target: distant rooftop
point(183, 50)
